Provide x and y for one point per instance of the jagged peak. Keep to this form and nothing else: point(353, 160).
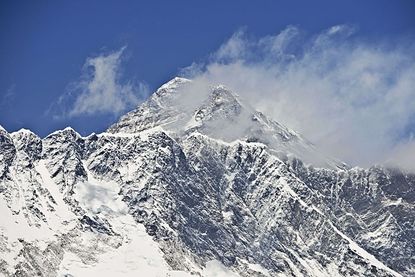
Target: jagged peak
point(220, 101)
point(221, 94)
point(68, 130)
point(2, 129)
point(223, 91)
point(4, 133)
point(23, 132)
point(171, 85)
point(175, 81)
point(24, 136)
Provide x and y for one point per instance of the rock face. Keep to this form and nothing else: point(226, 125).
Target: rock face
point(197, 184)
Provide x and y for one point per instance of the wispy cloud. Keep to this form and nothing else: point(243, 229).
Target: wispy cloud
point(403, 155)
point(100, 89)
point(352, 98)
point(8, 97)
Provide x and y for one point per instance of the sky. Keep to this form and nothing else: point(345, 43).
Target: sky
point(85, 63)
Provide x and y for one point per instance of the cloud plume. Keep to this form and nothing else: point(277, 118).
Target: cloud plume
point(354, 99)
point(100, 89)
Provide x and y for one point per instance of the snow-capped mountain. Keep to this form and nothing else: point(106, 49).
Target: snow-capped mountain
point(196, 182)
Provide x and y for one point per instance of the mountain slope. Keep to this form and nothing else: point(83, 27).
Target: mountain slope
point(197, 185)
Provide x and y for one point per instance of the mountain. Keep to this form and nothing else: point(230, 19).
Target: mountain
point(195, 182)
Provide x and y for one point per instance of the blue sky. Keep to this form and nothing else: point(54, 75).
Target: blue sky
point(45, 44)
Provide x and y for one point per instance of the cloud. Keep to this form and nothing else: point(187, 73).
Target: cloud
point(354, 99)
point(232, 49)
point(402, 156)
point(100, 89)
point(9, 96)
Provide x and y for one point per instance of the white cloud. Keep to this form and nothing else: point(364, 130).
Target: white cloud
point(353, 99)
point(278, 45)
point(100, 89)
point(403, 156)
point(233, 48)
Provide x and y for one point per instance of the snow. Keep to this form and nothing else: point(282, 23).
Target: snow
point(66, 129)
point(312, 267)
point(393, 202)
point(259, 268)
point(142, 134)
point(192, 123)
point(173, 83)
point(364, 254)
point(14, 225)
point(138, 255)
point(381, 234)
point(62, 212)
point(215, 268)
point(287, 189)
point(13, 228)
point(22, 131)
point(227, 216)
point(352, 245)
point(129, 171)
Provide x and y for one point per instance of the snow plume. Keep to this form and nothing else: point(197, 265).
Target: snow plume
point(100, 89)
point(403, 156)
point(354, 99)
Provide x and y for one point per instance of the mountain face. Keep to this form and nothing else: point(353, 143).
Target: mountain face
point(194, 182)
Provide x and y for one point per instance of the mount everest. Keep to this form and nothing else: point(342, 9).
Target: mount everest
point(195, 182)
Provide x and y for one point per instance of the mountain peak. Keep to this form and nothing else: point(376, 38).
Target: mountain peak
point(2, 129)
point(174, 83)
point(221, 101)
point(23, 132)
point(183, 106)
point(67, 131)
point(171, 86)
